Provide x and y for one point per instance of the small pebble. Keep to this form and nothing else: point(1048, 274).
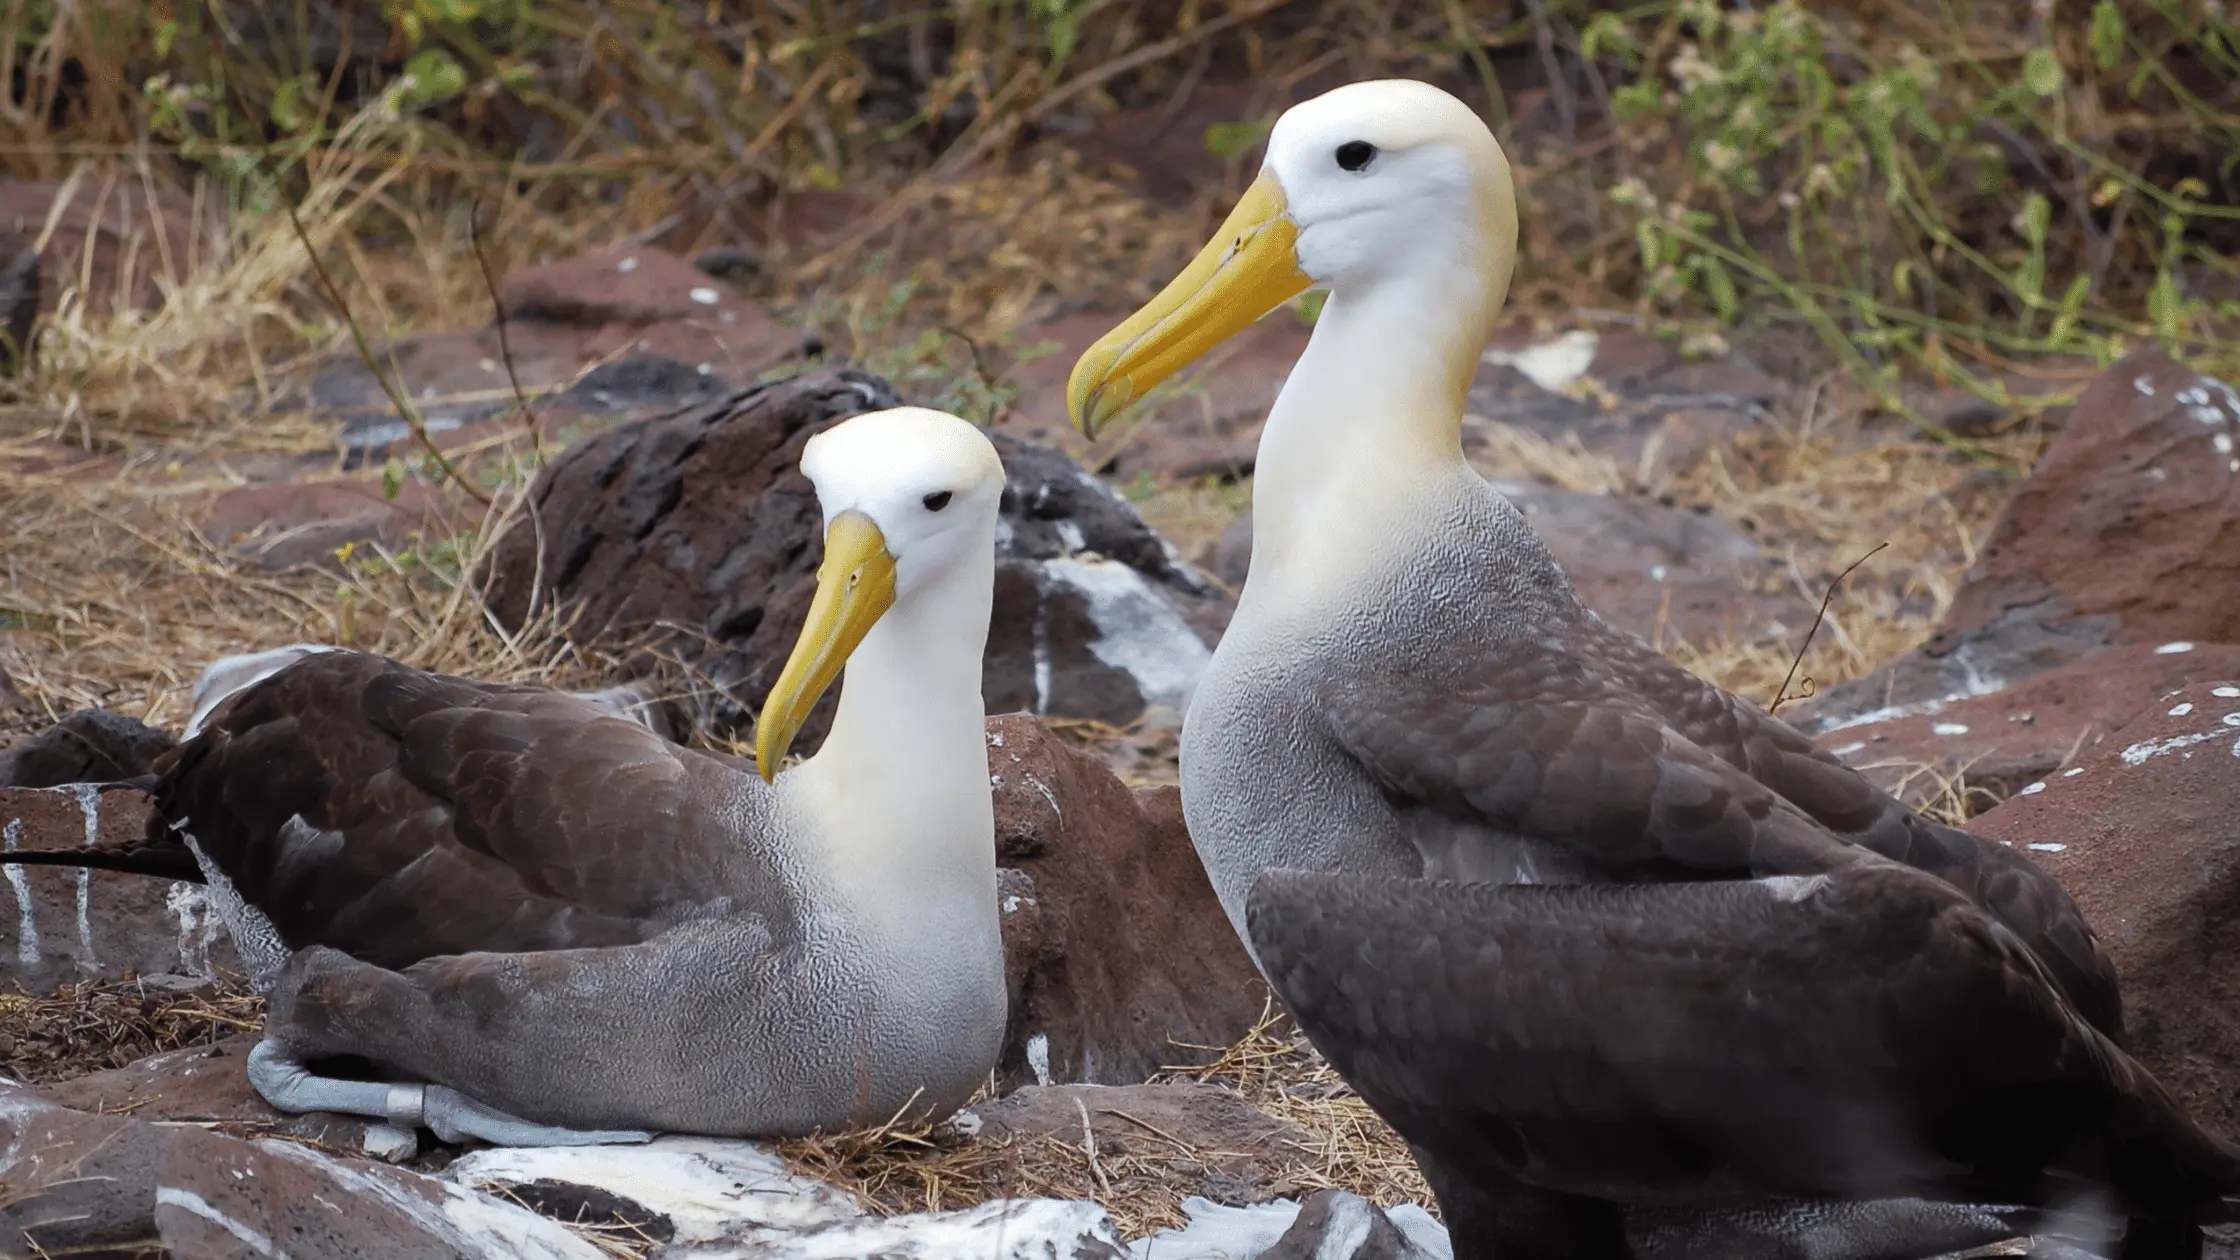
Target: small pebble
point(626, 266)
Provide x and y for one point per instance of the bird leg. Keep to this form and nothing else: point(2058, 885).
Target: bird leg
point(283, 1080)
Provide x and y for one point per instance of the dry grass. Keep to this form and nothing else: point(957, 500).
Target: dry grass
point(92, 1027)
point(1143, 1180)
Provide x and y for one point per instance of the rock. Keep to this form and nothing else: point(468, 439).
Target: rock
point(201, 1085)
point(1210, 427)
point(1127, 960)
point(115, 243)
point(2019, 734)
point(2144, 832)
point(86, 746)
point(220, 1196)
point(701, 519)
point(1620, 393)
point(1338, 1225)
point(1243, 1155)
point(1958, 411)
point(1331, 1223)
point(280, 525)
point(19, 299)
point(647, 322)
point(73, 1183)
point(1659, 572)
point(2127, 531)
point(720, 1198)
point(76, 924)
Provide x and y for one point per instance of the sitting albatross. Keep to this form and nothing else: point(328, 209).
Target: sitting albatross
point(554, 917)
point(1412, 698)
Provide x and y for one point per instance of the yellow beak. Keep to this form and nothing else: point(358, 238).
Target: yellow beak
point(1246, 271)
point(855, 587)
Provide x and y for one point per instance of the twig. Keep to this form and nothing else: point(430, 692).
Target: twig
point(1782, 696)
point(505, 342)
point(405, 410)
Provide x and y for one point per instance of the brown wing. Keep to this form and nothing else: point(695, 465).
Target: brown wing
point(1867, 1034)
point(1599, 744)
point(398, 815)
point(1998, 877)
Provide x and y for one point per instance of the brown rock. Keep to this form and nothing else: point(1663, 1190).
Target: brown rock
point(200, 1085)
point(1632, 399)
point(117, 243)
point(2128, 531)
point(2145, 833)
point(86, 746)
point(702, 519)
point(1132, 961)
point(73, 924)
point(648, 325)
point(217, 1193)
point(1246, 1155)
point(1209, 428)
point(289, 524)
point(2015, 736)
point(75, 1184)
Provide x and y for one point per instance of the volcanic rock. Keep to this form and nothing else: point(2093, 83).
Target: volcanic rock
point(2144, 832)
point(19, 299)
point(2127, 531)
point(116, 244)
point(1122, 955)
point(2018, 735)
point(695, 531)
point(201, 1085)
point(75, 924)
point(651, 326)
point(86, 746)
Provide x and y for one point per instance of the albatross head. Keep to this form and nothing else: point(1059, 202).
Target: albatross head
point(1369, 184)
point(909, 498)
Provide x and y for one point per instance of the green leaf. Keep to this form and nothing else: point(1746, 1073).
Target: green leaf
point(1226, 140)
point(392, 478)
point(2037, 216)
point(2107, 34)
point(1645, 237)
point(2041, 72)
point(2072, 309)
point(1724, 299)
point(436, 76)
point(167, 32)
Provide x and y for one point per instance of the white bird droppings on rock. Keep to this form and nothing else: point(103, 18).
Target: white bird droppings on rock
point(2033, 789)
point(705, 296)
point(626, 266)
point(1850, 748)
point(2174, 649)
point(2051, 848)
point(2181, 710)
point(2226, 693)
point(2144, 385)
point(1949, 728)
point(2072, 772)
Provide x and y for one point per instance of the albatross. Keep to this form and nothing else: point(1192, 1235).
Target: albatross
point(1413, 728)
point(554, 926)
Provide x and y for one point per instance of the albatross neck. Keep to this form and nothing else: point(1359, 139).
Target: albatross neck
point(899, 791)
point(1367, 431)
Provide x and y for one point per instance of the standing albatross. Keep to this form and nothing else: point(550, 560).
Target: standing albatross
point(1411, 698)
point(573, 930)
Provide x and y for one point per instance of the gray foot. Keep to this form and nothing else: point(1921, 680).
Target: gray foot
point(288, 1085)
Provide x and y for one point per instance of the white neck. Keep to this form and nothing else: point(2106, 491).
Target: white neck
point(897, 798)
point(1369, 421)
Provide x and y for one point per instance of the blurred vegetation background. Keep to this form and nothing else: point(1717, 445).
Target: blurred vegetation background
point(1935, 185)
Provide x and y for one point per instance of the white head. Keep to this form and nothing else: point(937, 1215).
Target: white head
point(1388, 180)
point(910, 498)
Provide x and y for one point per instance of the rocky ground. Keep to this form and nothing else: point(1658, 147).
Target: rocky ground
point(2056, 657)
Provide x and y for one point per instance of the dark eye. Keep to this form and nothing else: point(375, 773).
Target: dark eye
point(938, 500)
point(1355, 154)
